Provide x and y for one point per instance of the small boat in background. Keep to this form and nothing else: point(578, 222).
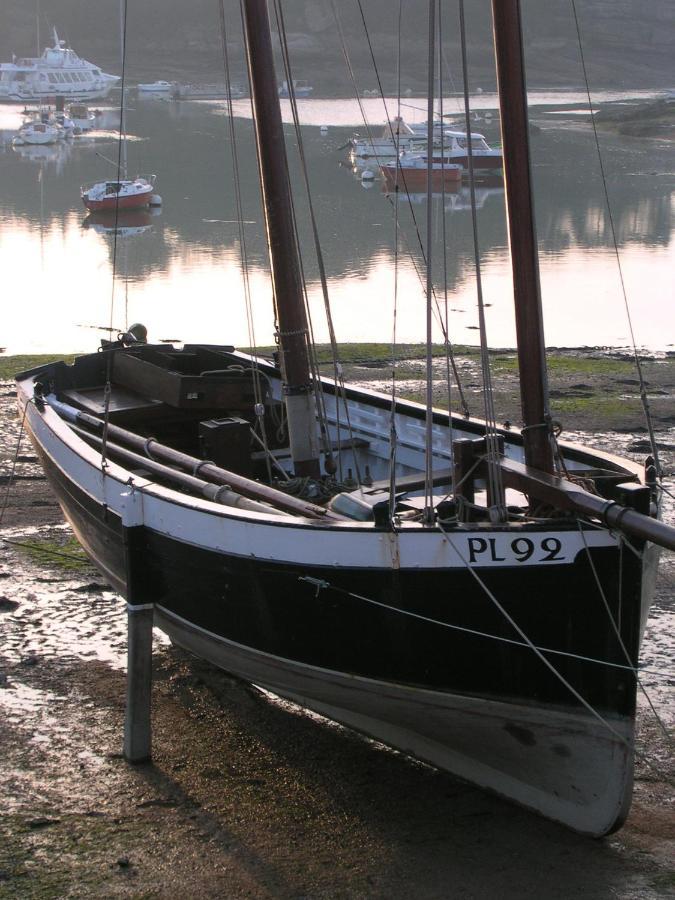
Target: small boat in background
point(301, 88)
point(121, 192)
point(124, 193)
point(157, 87)
point(411, 171)
point(486, 160)
point(81, 117)
point(39, 128)
point(387, 141)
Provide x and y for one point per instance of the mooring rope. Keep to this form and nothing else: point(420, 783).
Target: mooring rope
point(321, 584)
point(615, 628)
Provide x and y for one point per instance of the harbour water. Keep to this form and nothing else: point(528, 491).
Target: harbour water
point(178, 269)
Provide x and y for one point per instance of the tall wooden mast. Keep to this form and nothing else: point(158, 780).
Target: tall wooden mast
point(522, 235)
point(281, 240)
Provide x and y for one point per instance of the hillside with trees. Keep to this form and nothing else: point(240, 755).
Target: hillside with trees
point(627, 43)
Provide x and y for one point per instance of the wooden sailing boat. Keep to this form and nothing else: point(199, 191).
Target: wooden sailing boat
point(498, 640)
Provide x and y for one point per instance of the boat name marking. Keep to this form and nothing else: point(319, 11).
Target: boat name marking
point(519, 550)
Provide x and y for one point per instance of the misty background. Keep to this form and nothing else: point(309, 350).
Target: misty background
point(627, 43)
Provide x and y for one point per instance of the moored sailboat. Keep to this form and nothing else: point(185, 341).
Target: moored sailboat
point(121, 192)
point(493, 634)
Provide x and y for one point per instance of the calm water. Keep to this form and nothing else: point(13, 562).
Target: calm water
point(179, 272)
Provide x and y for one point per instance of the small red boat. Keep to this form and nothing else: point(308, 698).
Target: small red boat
point(411, 172)
point(121, 194)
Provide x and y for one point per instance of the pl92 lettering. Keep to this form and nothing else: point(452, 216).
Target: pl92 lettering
point(518, 550)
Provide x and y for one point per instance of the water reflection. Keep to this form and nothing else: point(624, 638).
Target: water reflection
point(128, 223)
point(182, 271)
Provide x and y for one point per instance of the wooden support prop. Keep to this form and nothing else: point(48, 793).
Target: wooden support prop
point(140, 615)
point(137, 720)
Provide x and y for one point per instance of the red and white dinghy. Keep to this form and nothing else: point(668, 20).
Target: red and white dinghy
point(119, 194)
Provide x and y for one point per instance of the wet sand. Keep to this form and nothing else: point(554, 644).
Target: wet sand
point(249, 797)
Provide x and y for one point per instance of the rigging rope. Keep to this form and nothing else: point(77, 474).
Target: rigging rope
point(495, 482)
point(428, 455)
point(449, 356)
point(395, 136)
point(243, 253)
point(539, 653)
point(321, 584)
point(643, 388)
point(121, 171)
point(393, 436)
point(10, 480)
point(615, 628)
point(337, 369)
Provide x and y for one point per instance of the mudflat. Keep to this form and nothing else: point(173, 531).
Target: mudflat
point(247, 796)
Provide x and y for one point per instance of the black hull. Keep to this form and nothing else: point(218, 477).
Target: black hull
point(324, 638)
point(273, 609)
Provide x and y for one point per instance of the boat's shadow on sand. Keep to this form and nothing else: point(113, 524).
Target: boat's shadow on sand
point(309, 808)
point(249, 797)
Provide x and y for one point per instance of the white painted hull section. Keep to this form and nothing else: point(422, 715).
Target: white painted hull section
point(242, 533)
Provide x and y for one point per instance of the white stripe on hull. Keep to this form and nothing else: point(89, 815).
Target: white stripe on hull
point(296, 541)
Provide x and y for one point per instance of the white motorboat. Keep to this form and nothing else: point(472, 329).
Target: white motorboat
point(157, 87)
point(81, 117)
point(387, 141)
point(59, 71)
point(399, 137)
point(301, 88)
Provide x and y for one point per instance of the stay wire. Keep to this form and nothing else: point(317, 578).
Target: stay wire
point(617, 633)
point(497, 507)
point(12, 473)
point(429, 396)
point(446, 331)
point(337, 369)
point(121, 171)
point(243, 253)
point(311, 342)
point(5, 502)
point(393, 434)
point(400, 176)
point(526, 643)
point(560, 677)
point(643, 388)
point(322, 584)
